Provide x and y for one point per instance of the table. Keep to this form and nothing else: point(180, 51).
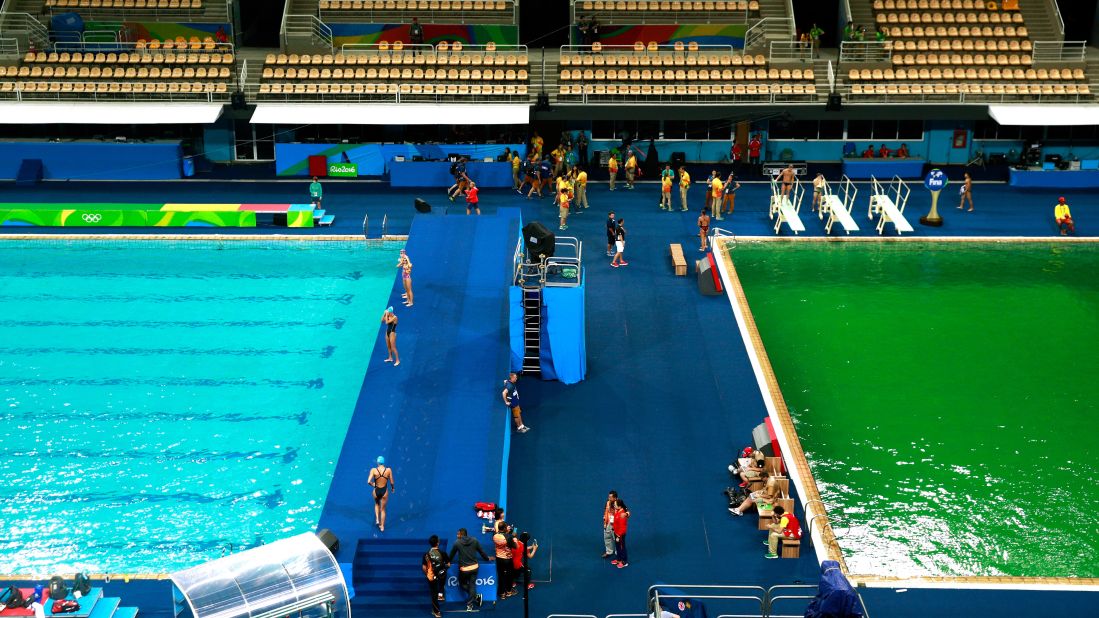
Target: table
point(437, 174)
point(863, 169)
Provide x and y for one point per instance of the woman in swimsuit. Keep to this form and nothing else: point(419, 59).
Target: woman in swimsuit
point(381, 479)
point(390, 320)
point(405, 265)
point(704, 227)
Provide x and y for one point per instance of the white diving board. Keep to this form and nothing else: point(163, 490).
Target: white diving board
point(837, 209)
point(888, 203)
point(785, 208)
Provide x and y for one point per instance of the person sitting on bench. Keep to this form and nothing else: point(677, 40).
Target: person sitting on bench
point(754, 471)
point(1063, 216)
point(767, 495)
point(785, 526)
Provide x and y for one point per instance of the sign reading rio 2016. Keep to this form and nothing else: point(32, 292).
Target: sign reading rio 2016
point(936, 180)
point(486, 583)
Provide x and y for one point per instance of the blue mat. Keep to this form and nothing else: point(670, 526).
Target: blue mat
point(437, 417)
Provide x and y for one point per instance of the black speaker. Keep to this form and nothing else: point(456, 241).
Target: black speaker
point(538, 240)
point(835, 103)
point(238, 101)
point(422, 206)
point(678, 159)
point(330, 541)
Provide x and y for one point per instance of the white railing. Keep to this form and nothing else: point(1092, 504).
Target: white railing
point(754, 597)
point(242, 75)
point(660, 49)
point(431, 15)
point(783, 27)
point(99, 36)
point(1057, 14)
point(612, 16)
point(375, 48)
point(1059, 51)
point(9, 46)
point(143, 47)
point(309, 26)
point(24, 23)
point(171, 92)
point(866, 51)
point(831, 78)
point(566, 254)
point(790, 50)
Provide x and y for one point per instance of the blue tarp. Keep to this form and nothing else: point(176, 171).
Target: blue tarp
point(835, 596)
point(67, 22)
point(515, 327)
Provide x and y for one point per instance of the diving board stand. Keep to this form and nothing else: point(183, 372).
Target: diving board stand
point(888, 203)
point(838, 208)
point(785, 208)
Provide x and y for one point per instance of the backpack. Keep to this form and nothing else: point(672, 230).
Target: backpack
point(58, 589)
point(64, 607)
point(438, 560)
point(11, 597)
point(81, 584)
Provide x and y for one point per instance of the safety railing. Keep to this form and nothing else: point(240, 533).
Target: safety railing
point(143, 46)
point(366, 225)
point(778, 27)
point(865, 97)
point(610, 15)
point(396, 93)
point(866, 51)
point(831, 77)
point(1057, 14)
point(1059, 51)
point(242, 76)
point(334, 11)
point(99, 36)
point(641, 49)
point(306, 26)
point(566, 255)
point(377, 48)
point(210, 11)
point(113, 92)
point(721, 600)
point(790, 50)
point(9, 46)
point(15, 24)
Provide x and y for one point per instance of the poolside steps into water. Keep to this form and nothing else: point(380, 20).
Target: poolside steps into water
point(387, 576)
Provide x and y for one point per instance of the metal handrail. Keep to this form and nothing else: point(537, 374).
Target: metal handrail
point(581, 49)
point(1057, 12)
point(143, 46)
point(361, 48)
point(9, 46)
point(760, 29)
point(24, 23)
point(242, 75)
point(316, 28)
point(662, 17)
point(789, 50)
point(366, 225)
point(39, 95)
point(866, 51)
point(831, 78)
point(1059, 51)
point(385, 225)
point(760, 596)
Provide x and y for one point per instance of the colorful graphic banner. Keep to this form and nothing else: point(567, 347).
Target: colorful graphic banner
point(373, 159)
point(345, 34)
point(161, 31)
point(93, 217)
point(703, 34)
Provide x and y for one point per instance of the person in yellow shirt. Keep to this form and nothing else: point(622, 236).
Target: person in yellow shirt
point(1063, 216)
point(716, 187)
point(631, 170)
point(563, 209)
point(581, 188)
point(666, 193)
point(536, 145)
point(516, 163)
point(684, 186)
point(612, 169)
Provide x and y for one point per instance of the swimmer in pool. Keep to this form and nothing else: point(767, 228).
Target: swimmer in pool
point(381, 479)
point(390, 320)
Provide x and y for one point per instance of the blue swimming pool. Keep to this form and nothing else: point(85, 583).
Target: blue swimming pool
point(165, 400)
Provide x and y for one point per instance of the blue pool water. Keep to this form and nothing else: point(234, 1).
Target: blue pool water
point(163, 400)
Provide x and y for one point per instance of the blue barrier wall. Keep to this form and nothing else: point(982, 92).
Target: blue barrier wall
point(373, 159)
point(217, 140)
point(89, 160)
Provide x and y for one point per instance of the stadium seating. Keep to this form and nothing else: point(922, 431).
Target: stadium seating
point(622, 11)
point(383, 71)
point(476, 11)
point(125, 5)
point(652, 71)
point(157, 68)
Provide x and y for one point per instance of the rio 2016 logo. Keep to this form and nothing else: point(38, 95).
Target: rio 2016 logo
point(91, 217)
point(452, 581)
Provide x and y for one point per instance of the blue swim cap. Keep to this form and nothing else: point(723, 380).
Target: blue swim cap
point(381, 459)
point(389, 309)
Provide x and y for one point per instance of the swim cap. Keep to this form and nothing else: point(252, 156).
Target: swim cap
point(1061, 199)
point(389, 309)
point(381, 459)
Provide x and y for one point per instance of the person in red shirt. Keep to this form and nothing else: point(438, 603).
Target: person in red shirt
point(869, 152)
point(902, 152)
point(754, 147)
point(735, 155)
point(621, 524)
point(472, 199)
point(522, 550)
point(884, 151)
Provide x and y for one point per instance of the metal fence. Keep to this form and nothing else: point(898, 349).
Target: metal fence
point(1059, 51)
point(866, 51)
point(790, 50)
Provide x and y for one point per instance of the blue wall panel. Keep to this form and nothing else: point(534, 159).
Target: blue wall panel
point(95, 160)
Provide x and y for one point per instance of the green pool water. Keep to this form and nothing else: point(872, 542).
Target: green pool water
point(945, 397)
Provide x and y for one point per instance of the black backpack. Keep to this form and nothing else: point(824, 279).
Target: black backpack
point(438, 560)
point(58, 589)
point(11, 597)
point(82, 584)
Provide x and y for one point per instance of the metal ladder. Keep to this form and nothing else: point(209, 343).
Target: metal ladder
point(532, 330)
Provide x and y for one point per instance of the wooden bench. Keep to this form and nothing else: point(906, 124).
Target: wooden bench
point(678, 261)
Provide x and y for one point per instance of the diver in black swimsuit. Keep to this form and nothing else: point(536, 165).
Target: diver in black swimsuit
point(381, 479)
point(390, 320)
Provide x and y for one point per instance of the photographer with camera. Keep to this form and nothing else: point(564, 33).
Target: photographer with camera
point(522, 550)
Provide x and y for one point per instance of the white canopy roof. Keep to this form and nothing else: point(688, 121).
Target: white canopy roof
point(390, 113)
point(95, 112)
point(1044, 115)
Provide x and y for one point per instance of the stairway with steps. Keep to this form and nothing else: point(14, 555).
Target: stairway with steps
point(774, 10)
point(1041, 23)
point(387, 577)
point(255, 57)
point(820, 77)
point(553, 60)
point(862, 13)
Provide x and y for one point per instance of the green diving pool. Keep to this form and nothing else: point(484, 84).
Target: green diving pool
point(944, 394)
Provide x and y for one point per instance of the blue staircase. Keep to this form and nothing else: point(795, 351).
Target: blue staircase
point(387, 576)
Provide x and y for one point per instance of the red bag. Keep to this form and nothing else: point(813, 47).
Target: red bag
point(485, 510)
point(64, 607)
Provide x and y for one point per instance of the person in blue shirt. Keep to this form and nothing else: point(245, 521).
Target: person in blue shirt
point(511, 400)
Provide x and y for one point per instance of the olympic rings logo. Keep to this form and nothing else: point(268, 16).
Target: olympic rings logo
point(91, 217)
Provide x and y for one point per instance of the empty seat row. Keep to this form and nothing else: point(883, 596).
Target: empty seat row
point(973, 89)
point(399, 58)
point(956, 5)
point(686, 89)
point(1005, 45)
point(897, 32)
point(404, 74)
point(207, 44)
point(415, 5)
point(669, 59)
point(126, 58)
point(116, 87)
point(682, 75)
point(125, 4)
point(1065, 74)
point(667, 6)
point(962, 59)
point(97, 72)
point(949, 18)
point(510, 90)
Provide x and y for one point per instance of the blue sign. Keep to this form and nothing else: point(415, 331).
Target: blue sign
point(936, 180)
point(486, 583)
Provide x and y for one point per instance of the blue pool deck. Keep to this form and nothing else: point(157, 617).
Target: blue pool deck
point(670, 396)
